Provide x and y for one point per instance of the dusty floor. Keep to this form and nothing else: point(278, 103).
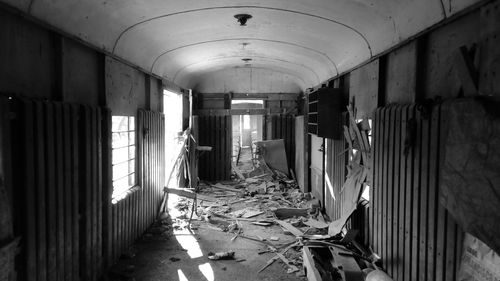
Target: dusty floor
point(172, 252)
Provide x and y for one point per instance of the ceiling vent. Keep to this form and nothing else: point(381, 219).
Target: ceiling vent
point(243, 18)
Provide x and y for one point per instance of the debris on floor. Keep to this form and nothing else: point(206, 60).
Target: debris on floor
point(221, 256)
point(264, 207)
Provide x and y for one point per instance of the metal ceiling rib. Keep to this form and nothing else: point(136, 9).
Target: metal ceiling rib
point(192, 37)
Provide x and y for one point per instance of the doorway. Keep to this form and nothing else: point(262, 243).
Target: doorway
point(172, 109)
point(247, 129)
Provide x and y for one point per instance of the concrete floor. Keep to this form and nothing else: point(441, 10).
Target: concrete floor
point(180, 255)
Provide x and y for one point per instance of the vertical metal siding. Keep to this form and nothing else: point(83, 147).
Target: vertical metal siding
point(283, 127)
point(63, 211)
point(215, 131)
point(47, 168)
point(336, 157)
point(415, 236)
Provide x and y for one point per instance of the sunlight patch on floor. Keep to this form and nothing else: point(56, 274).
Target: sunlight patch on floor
point(189, 243)
point(207, 271)
point(182, 277)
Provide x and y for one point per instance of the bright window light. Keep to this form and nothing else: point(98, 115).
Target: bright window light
point(246, 122)
point(123, 155)
point(247, 101)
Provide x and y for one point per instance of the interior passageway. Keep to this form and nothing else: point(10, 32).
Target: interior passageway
point(249, 140)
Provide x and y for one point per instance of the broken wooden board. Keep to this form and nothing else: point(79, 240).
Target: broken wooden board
point(315, 223)
point(189, 194)
point(252, 213)
point(274, 154)
point(224, 187)
point(295, 231)
point(285, 213)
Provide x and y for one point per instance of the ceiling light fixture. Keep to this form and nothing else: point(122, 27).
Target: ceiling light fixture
point(243, 18)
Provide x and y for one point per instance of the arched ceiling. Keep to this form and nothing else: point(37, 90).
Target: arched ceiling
point(308, 41)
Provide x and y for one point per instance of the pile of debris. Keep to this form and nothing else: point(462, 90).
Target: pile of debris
point(276, 201)
point(268, 196)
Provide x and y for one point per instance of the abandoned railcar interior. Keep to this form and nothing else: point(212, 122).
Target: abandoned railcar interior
point(249, 140)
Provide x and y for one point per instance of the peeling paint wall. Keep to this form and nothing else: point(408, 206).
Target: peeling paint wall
point(125, 88)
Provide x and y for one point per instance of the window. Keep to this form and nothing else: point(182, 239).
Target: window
point(123, 155)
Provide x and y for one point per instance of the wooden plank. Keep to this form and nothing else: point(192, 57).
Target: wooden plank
point(229, 130)
point(374, 196)
point(390, 194)
point(67, 192)
point(41, 191)
point(99, 193)
point(403, 271)
point(433, 194)
point(107, 189)
point(51, 193)
point(416, 198)
point(85, 189)
point(59, 189)
point(75, 188)
point(423, 174)
point(451, 239)
point(384, 188)
point(396, 247)
point(140, 167)
point(458, 249)
point(93, 191)
point(150, 183)
point(29, 185)
point(292, 229)
point(409, 196)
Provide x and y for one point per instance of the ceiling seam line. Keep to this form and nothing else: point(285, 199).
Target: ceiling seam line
point(248, 39)
point(251, 7)
point(308, 68)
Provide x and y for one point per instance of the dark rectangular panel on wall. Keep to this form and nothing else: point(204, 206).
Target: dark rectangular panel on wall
point(415, 236)
point(7, 243)
point(283, 127)
point(215, 131)
point(46, 171)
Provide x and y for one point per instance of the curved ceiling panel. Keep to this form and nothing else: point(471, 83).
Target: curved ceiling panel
point(170, 64)
point(266, 25)
point(192, 74)
point(248, 80)
point(343, 32)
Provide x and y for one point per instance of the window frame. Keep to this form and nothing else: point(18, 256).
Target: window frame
point(131, 158)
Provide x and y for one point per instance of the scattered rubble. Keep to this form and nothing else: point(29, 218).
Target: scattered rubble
point(221, 256)
point(268, 198)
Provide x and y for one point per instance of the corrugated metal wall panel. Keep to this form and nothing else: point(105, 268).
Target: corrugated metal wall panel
point(415, 236)
point(283, 127)
point(63, 211)
point(335, 173)
point(46, 138)
point(215, 131)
